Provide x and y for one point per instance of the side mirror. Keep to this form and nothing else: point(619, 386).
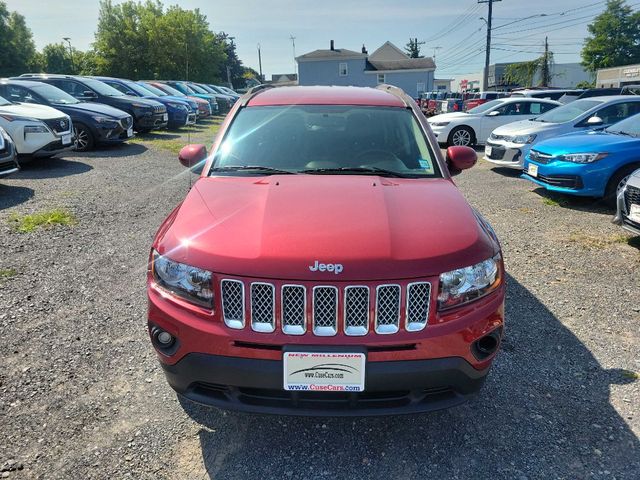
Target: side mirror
point(595, 121)
point(493, 113)
point(89, 94)
point(460, 158)
point(193, 157)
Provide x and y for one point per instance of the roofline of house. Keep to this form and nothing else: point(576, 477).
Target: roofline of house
point(402, 70)
point(331, 57)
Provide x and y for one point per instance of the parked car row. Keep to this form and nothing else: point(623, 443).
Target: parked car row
point(43, 115)
point(589, 147)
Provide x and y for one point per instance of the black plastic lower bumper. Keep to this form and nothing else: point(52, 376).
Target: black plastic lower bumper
point(391, 388)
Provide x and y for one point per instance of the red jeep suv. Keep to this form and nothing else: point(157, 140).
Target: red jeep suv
point(325, 263)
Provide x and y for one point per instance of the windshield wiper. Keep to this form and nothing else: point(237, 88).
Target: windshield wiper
point(621, 132)
point(374, 170)
point(252, 168)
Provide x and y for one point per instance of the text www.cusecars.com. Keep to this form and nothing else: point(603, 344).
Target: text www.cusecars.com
point(323, 375)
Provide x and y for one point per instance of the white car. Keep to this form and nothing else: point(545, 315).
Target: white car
point(509, 145)
point(475, 126)
point(36, 130)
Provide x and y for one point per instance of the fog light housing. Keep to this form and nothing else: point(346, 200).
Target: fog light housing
point(165, 338)
point(164, 342)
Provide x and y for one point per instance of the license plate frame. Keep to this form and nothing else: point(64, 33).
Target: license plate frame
point(129, 132)
point(532, 170)
point(165, 117)
point(488, 150)
point(634, 213)
point(323, 371)
point(67, 139)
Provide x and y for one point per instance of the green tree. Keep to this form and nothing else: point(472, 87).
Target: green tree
point(524, 73)
point(17, 50)
point(614, 38)
point(413, 48)
point(56, 58)
point(142, 40)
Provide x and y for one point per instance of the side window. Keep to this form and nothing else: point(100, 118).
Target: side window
point(343, 71)
point(381, 78)
point(420, 87)
point(515, 108)
point(118, 87)
point(617, 112)
point(72, 88)
point(19, 94)
point(535, 108)
point(492, 96)
point(545, 107)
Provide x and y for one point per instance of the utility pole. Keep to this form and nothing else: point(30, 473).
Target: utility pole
point(73, 67)
point(487, 58)
point(546, 70)
point(260, 64)
point(293, 43)
point(435, 49)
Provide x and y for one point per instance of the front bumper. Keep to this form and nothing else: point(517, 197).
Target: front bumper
point(252, 385)
point(114, 132)
point(8, 163)
point(155, 121)
point(52, 148)
point(624, 202)
point(506, 154)
point(585, 180)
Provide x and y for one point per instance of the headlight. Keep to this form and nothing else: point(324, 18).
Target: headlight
point(2, 145)
point(523, 139)
point(174, 105)
point(470, 283)
point(100, 119)
point(439, 124)
point(582, 157)
point(36, 129)
point(191, 283)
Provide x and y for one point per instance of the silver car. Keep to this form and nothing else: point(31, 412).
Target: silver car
point(510, 144)
point(628, 214)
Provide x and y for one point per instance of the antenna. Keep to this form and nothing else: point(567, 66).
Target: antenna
point(293, 43)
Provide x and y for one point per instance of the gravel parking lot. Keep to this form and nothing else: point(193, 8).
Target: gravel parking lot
point(81, 394)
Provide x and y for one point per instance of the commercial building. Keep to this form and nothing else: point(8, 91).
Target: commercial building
point(618, 76)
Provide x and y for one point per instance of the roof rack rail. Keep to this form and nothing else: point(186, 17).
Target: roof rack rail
point(253, 91)
point(395, 91)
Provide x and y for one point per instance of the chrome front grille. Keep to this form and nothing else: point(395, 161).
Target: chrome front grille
point(350, 309)
point(356, 310)
point(263, 304)
point(233, 303)
point(325, 311)
point(294, 309)
point(387, 308)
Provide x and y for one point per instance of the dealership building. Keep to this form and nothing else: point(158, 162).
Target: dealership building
point(618, 76)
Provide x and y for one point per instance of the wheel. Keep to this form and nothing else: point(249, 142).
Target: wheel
point(461, 137)
point(84, 137)
point(617, 183)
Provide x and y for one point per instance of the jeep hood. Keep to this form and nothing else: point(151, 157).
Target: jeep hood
point(277, 226)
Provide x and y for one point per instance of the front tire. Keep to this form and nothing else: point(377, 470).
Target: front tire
point(617, 182)
point(84, 138)
point(461, 137)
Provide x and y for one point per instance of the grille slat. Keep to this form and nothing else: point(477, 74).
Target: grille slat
point(59, 125)
point(233, 303)
point(356, 310)
point(631, 195)
point(387, 309)
point(294, 309)
point(325, 311)
point(263, 305)
point(355, 303)
point(418, 300)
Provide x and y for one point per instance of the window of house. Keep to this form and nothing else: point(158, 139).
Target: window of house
point(342, 70)
point(381, 78)
point(420, 87)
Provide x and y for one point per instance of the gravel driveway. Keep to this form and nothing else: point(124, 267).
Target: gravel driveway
point(82, 397)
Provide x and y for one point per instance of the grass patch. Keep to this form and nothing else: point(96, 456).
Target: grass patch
point(551, 202)
point(629, 374)
point(174, 141)
point(592, 241)
point(7, 273)
point(28, 223)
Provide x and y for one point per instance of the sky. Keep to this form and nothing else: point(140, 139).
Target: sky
point(453, 30)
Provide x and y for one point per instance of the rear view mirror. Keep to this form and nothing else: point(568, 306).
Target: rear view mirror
point(595, 121)
point(460, 158)
point(193, 157)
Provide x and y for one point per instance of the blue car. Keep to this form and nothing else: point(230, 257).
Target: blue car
point(590, 164)
point(179, 111)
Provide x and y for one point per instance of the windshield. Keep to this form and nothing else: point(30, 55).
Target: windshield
point(4, 101)
point(156, 91)
point(486, 106)
point(197, 89)
point(628, 126)
point(54, 95)
point(567, 113)
point(102, 88)
point(139, 89)
point(183, 88)
point(327, 139)
point(172, 91)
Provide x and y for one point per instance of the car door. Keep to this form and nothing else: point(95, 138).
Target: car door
point(508, 113)
point(610, 114)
